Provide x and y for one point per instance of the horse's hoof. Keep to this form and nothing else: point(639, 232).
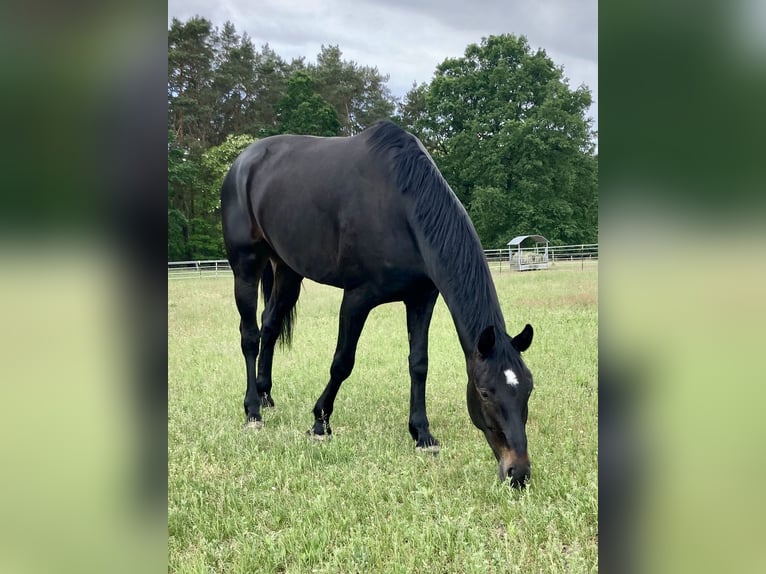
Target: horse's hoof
point(318, 437)
point(432, 449)
point(253, 424)
point(267, 402)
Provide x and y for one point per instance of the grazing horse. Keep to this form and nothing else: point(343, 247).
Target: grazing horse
point(372, 215)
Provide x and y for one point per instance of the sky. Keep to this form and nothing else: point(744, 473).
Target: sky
point(407, 39)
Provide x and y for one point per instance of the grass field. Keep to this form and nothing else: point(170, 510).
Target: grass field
point(274, 501)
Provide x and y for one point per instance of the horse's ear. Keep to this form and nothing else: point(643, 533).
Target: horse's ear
point(486, 341)
point(523, 340)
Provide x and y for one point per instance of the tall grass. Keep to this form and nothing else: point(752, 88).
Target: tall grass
point(275, 501)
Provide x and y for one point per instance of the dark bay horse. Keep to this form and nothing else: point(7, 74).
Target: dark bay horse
point(372, 215)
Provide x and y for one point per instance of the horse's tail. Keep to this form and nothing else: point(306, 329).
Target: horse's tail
point(267, 283)
point(288, 322)
point(286, 328)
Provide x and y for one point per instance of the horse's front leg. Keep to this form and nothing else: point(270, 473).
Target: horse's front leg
point(420, 309)
point(354, 309)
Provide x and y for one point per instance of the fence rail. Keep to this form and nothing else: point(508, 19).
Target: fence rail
point(559, 256)
point(194, 269)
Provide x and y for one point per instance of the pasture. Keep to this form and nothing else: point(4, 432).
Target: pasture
point(365, 501)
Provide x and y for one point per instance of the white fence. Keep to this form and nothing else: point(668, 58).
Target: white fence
point(560, 256)
point(194, 269)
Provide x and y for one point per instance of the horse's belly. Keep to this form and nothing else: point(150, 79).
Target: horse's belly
point(348, 262)
point(352, 272)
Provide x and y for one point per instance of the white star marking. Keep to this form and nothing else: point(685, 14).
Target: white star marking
point(510, 377)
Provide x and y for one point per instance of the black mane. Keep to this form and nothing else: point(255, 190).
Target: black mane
point(449, 243)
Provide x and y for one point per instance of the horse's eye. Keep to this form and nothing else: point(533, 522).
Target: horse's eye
point(484, 394)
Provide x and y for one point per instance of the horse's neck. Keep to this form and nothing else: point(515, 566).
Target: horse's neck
point(472, 303)
point(454, 258)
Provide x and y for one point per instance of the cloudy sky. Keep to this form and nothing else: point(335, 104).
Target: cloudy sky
point(406, 39)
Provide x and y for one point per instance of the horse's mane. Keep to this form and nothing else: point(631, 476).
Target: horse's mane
point(451, 249)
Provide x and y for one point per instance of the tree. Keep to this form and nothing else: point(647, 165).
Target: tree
point(216, 163)
point(234, 83)
point(489, 212)
point(413, 113)
point(510, 135)
point(205, 233)
point(271, 75)
point(502, 123)
point(358, 94)
point(184, 177)
point(190, 77)
point(178, 236)
point(373, 102)
point(303, 111)
point(194, 203)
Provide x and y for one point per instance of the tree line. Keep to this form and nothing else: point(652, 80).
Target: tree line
point(501, 122)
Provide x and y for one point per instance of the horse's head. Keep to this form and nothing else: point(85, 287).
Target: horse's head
point(499, 385)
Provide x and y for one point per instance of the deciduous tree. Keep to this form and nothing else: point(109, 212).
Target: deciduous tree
point(509, 134)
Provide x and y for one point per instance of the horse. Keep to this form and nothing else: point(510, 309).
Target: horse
point(370, 214)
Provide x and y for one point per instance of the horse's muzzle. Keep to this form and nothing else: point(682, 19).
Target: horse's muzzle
point(519, 475)
point(518, 469)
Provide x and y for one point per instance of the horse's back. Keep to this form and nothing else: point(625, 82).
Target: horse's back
point(328, 208)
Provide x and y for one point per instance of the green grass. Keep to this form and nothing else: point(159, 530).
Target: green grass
point(275, 501)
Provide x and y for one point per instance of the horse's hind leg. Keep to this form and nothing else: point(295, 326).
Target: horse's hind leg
point(248, 268)
point(277, 319)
